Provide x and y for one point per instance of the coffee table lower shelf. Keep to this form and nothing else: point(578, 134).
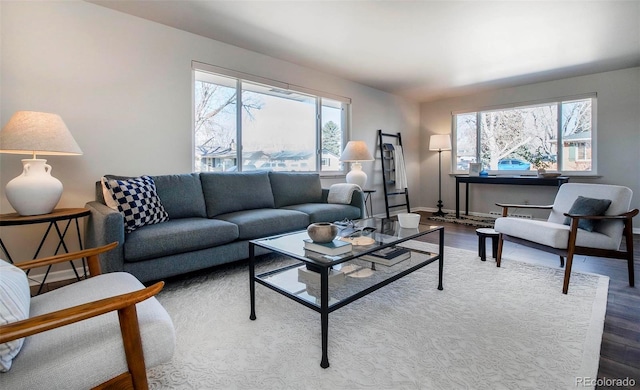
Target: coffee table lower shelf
point(325, 296)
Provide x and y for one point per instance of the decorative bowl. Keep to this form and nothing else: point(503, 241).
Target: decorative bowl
point(322, 232)
point(409, 220)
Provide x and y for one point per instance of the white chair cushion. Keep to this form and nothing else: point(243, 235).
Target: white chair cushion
point(87, 353)
point(552, 234)
point(15, 300)
point(620, 197)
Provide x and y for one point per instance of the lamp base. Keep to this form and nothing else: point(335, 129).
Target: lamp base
point(356, 175)
point(439, 213)
point(35, 191)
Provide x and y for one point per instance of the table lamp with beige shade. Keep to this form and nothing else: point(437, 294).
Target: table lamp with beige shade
point(355, 152)
point(35, 191)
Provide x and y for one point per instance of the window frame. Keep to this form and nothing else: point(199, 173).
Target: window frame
point(560, 150)
point(319, 96)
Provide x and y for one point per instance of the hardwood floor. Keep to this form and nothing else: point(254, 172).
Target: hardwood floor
point(620, 348)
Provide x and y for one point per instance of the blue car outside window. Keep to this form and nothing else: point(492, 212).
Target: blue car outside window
point(514, 165)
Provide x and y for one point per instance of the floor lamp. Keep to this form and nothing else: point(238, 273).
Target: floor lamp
point(440, 142)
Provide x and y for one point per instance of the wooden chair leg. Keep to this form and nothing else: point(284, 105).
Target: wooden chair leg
point(628, 236)
point(130, 330)
point(571, 248)
point(499, 254)
point(567, 273)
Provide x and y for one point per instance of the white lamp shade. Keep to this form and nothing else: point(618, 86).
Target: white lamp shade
point(30, 132)
point(356, 151)
point(440, 142)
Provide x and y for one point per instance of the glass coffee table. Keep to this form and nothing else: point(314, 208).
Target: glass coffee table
point(327, 285)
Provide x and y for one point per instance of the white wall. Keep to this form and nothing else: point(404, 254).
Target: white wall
point(618, 143)
point(123, 86)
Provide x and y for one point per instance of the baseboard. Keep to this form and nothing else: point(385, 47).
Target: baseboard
point(54, 276)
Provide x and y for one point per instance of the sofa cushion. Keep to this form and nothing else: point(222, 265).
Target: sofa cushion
point(266, 222)
point(227, 192)
point(137, 201)
point(15, 300)
point(326, 212)
point(294, 188)
point(181, 195)
point(177, 236)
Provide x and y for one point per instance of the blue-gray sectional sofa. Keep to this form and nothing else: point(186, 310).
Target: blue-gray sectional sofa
point(212, 216)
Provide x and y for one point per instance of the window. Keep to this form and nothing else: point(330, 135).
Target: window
point(557, 135)
point(244, 123)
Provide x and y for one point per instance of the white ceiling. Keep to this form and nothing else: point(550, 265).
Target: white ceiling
point(423, 50)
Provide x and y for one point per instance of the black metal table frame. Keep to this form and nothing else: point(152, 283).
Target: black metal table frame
point(324, 309)
point(509, 180)
point(53, 222)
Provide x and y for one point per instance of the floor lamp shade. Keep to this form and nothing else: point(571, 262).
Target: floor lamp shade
point(354, 152)
point(35, 191)
point(440, 142)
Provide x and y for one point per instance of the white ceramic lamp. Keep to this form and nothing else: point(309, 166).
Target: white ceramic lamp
point(35, 191)
point(354, 152)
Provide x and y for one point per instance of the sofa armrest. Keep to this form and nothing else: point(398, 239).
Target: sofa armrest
point(357, 200)
point(105, 226)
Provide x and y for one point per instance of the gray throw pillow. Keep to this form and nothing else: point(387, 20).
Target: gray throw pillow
point(587, 206)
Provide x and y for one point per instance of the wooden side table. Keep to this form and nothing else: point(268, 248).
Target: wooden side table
point(58, 215)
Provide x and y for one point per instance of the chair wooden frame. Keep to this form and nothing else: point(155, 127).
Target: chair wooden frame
point(125, 305)
point(572, 249)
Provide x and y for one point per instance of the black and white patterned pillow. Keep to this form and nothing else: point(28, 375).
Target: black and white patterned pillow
point(137, 201)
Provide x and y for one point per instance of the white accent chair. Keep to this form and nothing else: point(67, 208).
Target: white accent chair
point(555, 237)
point(101, 332)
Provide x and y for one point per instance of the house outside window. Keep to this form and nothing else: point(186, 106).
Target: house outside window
point(555, 135)
point(248, 123)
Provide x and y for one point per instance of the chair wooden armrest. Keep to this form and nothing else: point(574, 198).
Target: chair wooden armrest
point(136, 376)
point(506, 206)
point(627, 215)
point(56, 319)
point(91, 255)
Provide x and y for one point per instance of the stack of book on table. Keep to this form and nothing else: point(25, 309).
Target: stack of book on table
point(388, 256)
point(333, 248)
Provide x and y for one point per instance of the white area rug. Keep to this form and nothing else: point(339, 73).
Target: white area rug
point(490, 328)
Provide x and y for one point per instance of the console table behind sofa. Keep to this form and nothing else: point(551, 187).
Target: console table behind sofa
point(511, 180)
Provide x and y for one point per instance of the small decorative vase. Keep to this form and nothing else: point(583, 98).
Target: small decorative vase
point(35, 191)
point(541, 172)
point(322, 232)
